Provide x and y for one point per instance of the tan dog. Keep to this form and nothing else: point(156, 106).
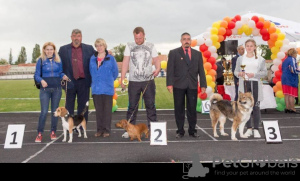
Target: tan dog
point(238, 112)
point(72, 122)
point(134, 131)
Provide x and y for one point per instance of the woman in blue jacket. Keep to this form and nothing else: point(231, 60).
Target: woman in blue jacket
point(50, 65)
point(289, 80)
point(104, 70)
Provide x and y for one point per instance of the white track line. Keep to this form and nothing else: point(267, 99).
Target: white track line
point(37, 153)
point(198, 127)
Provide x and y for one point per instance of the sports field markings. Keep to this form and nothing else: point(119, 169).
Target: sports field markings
point(44, 148)
point(198, 127)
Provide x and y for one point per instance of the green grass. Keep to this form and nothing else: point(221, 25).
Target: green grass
point(25, 89)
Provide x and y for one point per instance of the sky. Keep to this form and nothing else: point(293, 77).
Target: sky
point(29, 22)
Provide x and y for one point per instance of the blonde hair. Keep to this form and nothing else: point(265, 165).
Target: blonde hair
point(254, 42)
point(291, 52)
point(101, 41)
point(43, 55)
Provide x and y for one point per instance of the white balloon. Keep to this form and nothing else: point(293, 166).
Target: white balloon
point(286, 42)
point(208, 29)
point(245, 20)
point(200, 41)
point(292, 45)
point(212, 49)
point(251, 24)
point(238, 24)
point(215, 55)
point(209, 95)
point(280, 55)
point(234, 31)
point(276, 62)
point(284, 48)
point(274, 68)
point(208, 42)
point(255, 32)
point(206, 35)
point(208, 90)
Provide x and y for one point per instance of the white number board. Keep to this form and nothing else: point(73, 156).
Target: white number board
point(14, 136)
point(158, 135)
point(206, 107)
point(272, 131)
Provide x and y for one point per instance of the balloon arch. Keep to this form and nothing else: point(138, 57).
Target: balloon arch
point(256, 26)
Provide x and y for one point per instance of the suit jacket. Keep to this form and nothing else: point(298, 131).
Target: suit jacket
point(65, 53)
point(233, 64)
point(182, 75)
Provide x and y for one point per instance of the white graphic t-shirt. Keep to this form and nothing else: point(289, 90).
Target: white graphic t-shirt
point(140, 65)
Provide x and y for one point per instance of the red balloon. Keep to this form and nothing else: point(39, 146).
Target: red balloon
point(266, 37)
point(231, 25)
point(278, 74)
point(275, 80)
point(203, 48)
point(255, 19)
point(203, 96)
point(212, 60)
point(280, 67)
point(233, 20)
point(284, 58)
point(214, 66)
point(206, 54)
point(226, 97)
point(238, 18)
point(228, 33)
point(264, 31)
point(259, 25)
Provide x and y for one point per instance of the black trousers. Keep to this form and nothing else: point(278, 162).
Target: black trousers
point(134, 93)
point(252, 86)
point(83, 95)
point(103, 106)
point(191, 104)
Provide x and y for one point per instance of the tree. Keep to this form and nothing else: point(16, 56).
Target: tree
point(22, 56)
point(3, 61)
point(10, 59)
point(265, 52)
point(118, 52)
point(36, 53)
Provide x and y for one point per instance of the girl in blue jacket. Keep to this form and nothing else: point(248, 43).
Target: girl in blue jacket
point(50, 65)
point(103, 70)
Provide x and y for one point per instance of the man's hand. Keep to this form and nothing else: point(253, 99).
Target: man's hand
point(170, 89)
point(156, 72)
point(203, 89)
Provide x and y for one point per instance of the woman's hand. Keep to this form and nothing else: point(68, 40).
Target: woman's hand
point(241, 74)
point(44, 83)
point(65, 77)
point(250, 75)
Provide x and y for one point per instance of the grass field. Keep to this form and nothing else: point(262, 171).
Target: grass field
point(21, 95)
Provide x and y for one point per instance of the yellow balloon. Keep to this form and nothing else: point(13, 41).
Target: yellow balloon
point(272, 25)
point(205, 71)
point(281, 36)
point(275, 50)
point(214, 38)
point(212, 84)
point(163, 64)
point(245, 28)
point(114, 102)
point(208, 78)
point(216, 25)
point(217, 45)
point(214, 31)
point(240, 31)
point(278, 30)
point(273, 56)
point(279, 44)
point(279, 94)
point(116, 84)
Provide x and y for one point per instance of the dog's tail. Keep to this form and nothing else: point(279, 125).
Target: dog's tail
point(215, 98)
point(86, 108)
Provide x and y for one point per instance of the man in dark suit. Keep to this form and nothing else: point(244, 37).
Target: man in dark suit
point(240, 50)
point(184, 66)
point(75, 58)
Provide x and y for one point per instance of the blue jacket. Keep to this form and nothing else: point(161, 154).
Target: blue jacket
point(51, 72)
point(104, 76)
point(65, 53)
point(289, 72)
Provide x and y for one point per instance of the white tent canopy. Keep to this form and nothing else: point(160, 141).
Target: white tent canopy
point(290, 28)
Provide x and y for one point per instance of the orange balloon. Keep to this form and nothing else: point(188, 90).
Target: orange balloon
point(212, 72)
point(261, 19)
point(221, 31)
point(271, 43)
point(224, 24)
point(275, 89)
point(213, 78)
point(115, 97)
point(194, 43)
point(221, 38)
point(279, 85)
point(298, 50)
point(267, 24)
point(273, 36)
point(207, 66)
point(204, 60)
point(228, 19)
point(272, 29)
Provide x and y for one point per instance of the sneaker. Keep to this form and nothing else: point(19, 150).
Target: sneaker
point(249, 132)
point(39, 137)
point(53, 135)
point(125, 135)
point(105, 135)
point(256, 134)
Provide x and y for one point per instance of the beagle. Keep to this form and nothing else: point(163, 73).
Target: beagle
point(70, 122)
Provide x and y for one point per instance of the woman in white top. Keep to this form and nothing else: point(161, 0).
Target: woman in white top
point(255, 69)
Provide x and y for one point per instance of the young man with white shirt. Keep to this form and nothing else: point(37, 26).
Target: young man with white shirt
point(138, 57)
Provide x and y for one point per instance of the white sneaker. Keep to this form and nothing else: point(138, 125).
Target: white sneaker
point(125, 135)
point(256, 134)
point(249, 132)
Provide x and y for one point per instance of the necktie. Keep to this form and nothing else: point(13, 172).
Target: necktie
point(187, 57)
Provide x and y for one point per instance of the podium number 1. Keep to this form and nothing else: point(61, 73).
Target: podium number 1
point(14, 139)
point(14, 136)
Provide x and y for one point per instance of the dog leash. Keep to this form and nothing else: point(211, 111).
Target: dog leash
point(63, 83)
point(136, 106)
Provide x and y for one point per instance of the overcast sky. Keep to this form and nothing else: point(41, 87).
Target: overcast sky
point(30, 22)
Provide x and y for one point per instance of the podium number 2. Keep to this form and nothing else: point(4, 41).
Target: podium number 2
point(273, 133)
point(14, 140)
point(158, 136)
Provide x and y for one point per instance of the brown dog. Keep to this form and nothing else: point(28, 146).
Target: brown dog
point(134, 131)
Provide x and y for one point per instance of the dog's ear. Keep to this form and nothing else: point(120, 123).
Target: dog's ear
point(124, 123)
point(64, 111)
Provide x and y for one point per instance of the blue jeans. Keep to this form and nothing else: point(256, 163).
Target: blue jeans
point(47, 94)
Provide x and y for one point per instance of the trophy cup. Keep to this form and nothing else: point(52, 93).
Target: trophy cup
point(227, 73)
point(243, 69)
point(125, 82)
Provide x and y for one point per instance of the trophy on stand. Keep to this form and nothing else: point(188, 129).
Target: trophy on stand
point(243, 70)
point(228, 76)
point(125, 82)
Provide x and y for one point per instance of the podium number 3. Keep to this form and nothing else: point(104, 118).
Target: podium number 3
point(14, 140)
point(273, 133)
point(158, 136)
